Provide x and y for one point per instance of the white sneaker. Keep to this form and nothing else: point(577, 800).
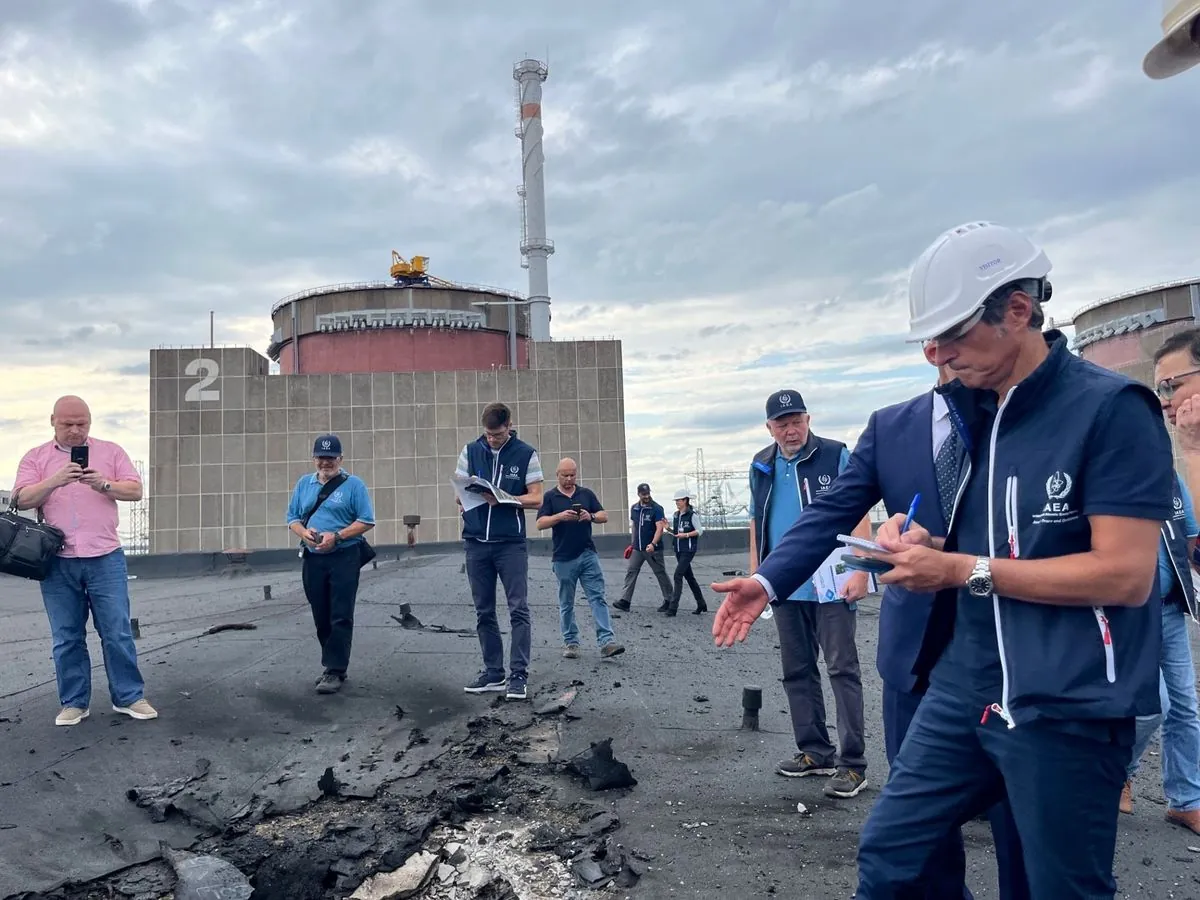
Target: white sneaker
point(70, 715)
point(140, 710)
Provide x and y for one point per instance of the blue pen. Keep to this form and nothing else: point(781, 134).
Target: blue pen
point(912, 511)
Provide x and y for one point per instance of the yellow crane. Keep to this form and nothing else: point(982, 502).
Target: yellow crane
point(413, 271)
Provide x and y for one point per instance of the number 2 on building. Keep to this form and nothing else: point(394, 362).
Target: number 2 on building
point(209, 370)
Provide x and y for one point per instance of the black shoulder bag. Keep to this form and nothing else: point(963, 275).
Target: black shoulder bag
point(366, 552)
point(27, 549)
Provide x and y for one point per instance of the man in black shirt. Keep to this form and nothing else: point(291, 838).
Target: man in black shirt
point(570, 510)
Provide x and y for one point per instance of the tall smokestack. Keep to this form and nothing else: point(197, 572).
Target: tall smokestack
point(535, 247)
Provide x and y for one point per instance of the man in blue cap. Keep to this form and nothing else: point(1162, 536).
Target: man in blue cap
point(330, 512)
point(785, 477)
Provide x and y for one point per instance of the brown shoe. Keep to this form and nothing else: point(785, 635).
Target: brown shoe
point(1126, 805)
point(1189, 820)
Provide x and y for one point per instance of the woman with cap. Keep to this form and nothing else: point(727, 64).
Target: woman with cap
point(685, 528)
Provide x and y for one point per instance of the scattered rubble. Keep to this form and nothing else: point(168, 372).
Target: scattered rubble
point(180, 797)
point(483, 818)
point(407, 881)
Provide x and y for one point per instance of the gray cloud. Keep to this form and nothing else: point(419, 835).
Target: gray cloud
point(736, 197)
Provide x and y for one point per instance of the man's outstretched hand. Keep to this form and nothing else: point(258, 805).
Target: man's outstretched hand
point(745, 599)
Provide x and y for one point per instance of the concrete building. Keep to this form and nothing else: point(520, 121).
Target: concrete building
point(401, 373)
point(1123, 332)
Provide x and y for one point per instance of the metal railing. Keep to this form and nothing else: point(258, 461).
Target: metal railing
point(388, 285)
point(1125, 295)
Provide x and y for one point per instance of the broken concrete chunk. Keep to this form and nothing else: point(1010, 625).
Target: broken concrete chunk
point(445, 873)
point(600, 769)
point(598, 824)
point(407, 881)
point(557, 705)
point(479, 878)
point(589, 873)
point(203, 877)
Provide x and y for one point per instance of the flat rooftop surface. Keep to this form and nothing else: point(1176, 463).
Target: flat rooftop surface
point(242, 743)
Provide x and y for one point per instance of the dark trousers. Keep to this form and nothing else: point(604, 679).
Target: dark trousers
point(806, 629)
point(683, 571)
point(331, 586)
point(946, 875)
point(655, 560)
point(508, 561)
point(1062, 781)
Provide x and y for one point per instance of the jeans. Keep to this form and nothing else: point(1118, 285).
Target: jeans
point(806, 629)
point(584, 569)
point(1062, 779)
point(331, 586)
point(100, 585)
point(509, 561)
point(1179, 717)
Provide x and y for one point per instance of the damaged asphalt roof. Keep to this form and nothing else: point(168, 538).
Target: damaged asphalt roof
point(246, 762)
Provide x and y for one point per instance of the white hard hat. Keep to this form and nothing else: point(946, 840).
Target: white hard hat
point(951, 280)
point(684, 494)
point(1179, 49)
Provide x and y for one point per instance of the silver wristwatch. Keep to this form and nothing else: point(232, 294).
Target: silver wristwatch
point(979, 583)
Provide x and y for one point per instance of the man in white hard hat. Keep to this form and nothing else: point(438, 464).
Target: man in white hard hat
point(1047, 618)
point(1043, 644)
point(1179, 48)
point(904, 453)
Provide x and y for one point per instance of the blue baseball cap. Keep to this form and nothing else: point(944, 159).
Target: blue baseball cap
point(327, 445)
point(784, 403)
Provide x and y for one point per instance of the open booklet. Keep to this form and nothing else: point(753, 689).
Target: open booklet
point(471, 489)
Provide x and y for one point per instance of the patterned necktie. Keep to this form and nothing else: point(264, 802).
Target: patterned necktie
point(946, 468)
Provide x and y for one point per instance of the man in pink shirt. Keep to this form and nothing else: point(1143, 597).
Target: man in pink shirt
point(90, 572)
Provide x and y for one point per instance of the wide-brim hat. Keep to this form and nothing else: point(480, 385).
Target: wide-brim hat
point(1177, 51)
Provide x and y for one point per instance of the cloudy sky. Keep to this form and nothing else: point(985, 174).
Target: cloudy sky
point(736, 195)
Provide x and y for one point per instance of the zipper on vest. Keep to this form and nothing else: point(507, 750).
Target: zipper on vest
point(1010, 515)
point(1001, 708)
point(1110, 662)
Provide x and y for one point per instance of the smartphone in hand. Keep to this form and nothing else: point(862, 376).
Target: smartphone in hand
point(79, 456)
point(861, 543)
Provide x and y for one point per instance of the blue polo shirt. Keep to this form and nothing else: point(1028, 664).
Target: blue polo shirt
point(785, 507)
point(348, 504)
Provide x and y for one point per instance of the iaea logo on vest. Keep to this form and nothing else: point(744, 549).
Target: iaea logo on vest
point(1056, 511)
point(1058, 486)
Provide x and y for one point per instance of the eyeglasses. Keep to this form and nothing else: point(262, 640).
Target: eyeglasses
point(1168, 386)
point(957, 332)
